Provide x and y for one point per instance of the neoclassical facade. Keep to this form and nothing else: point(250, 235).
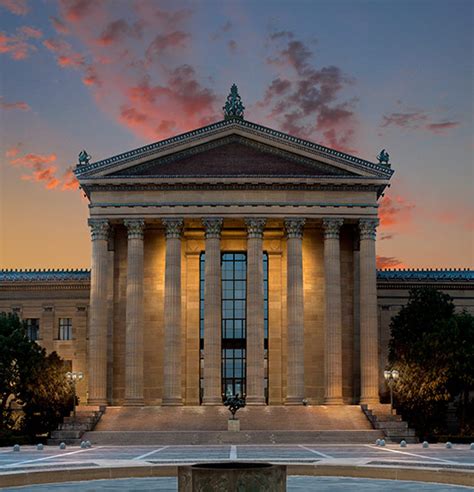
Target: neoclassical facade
point(233, 258)
point(230, 259)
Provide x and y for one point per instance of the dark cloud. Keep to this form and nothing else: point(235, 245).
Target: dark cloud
point(442, 126)
point(117, 31)
point(232, 45)
point(162, 42)
point(419, 120)
point(306, 101)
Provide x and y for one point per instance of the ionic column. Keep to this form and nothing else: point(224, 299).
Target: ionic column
point(368, 313)
point(134, 314)
point(255, 313)
point(172, 338)
point(295, 370)
point(212, 313)
point(97, 359)
point(333, 317)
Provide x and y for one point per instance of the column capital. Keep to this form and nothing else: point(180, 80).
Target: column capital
point(135, 227)
point(173, 227)
point(332, 226)
point(367, 228)
point(99, 229)
point(294, 227)
point(255, 227)
point(213, 227)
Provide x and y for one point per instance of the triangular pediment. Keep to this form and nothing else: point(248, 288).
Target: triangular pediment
point(231, 148)
point(231, 156)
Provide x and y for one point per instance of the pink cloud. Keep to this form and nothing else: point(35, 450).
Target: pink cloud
point(59, 26)
point(162, 42)
point(442, 127)
point(13, 151)
point(20, 105)
point(69, 181)
point(65, 56)
point(17, 7)
point(16, 46)
point(31, 32)
point(77, 10)
point(118, 31)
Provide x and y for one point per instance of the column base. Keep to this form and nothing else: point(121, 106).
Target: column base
point(333, 400)
point(369, 401)
point(294, 400)
point(97, 401)
point(255, 400)
point(172, 402)
point(133, 402)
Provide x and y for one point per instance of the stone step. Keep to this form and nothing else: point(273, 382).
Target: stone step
point(66, 434)
point(391, 425)
point(223, 437)
point(75, 426)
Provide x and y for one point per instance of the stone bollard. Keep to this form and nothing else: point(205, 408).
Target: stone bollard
point(377, 442)
point(39, 447)
point(382, 442)
point(16, 448)
point(83, 445)
point(472, 446)
point(88, 444)
point(425, 444)
point(403, 443)
point(233, 425)
point(62, 445)
point(448, 445)
point(232, 477)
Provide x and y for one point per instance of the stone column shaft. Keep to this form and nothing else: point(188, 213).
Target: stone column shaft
point(255, 314)
point(295, 337)
point(333, 317)
point(172, 339)
point(134, 314)
point(368, 313)
point(97, 357)
point(212, 313)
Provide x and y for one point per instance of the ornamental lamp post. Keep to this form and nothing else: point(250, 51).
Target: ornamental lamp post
point(74, 377)
point(391, 377)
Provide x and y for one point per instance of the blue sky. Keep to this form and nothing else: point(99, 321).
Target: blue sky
point(355, 75)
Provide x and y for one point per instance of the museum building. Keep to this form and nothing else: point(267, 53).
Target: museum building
point(229, 259)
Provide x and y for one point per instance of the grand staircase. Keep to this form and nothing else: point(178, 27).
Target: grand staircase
point(208, 425)
point(72, 429)
point(392, 425)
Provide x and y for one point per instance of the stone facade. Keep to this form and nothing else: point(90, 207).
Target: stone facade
point(232, 187)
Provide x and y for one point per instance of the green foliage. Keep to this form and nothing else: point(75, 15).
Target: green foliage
point(34, 394)
point(433, 348)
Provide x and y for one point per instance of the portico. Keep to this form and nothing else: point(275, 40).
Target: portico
point(302, 218)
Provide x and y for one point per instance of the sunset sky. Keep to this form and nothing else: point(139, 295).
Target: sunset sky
point(355, 75)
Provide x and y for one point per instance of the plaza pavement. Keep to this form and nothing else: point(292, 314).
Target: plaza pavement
point(436, 460)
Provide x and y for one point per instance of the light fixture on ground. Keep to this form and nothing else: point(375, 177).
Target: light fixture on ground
point(74, 377)
point(391, 377)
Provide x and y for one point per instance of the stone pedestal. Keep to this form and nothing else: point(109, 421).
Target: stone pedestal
point(233, 425)
point(232, 477)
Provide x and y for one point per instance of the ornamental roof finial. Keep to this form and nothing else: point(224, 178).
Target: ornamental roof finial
point(383, 157)
point(233, 107)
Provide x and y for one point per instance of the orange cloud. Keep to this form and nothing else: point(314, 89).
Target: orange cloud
point(17, 7)
point(13, 151)
point(21, 105)
point(65, 56)
point(69, 181)
point(384, 262)
point(395, 211)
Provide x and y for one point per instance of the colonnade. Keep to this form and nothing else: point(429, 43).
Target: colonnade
point(134, 387)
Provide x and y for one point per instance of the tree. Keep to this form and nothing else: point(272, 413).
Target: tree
point(30, 380)
point(433, 348)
